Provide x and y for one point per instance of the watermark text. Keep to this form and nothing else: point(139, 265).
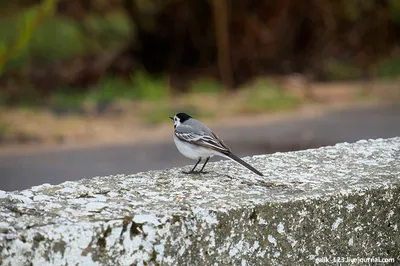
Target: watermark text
point(353, 260)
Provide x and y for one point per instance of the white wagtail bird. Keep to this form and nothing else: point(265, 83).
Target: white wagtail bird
point(196, 141)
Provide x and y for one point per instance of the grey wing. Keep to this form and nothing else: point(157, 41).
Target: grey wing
point(201, 138)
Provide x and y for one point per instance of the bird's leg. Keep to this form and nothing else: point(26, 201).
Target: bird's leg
point(192, 171)
point(201, 171)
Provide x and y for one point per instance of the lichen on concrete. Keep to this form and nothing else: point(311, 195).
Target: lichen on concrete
point(334, 201)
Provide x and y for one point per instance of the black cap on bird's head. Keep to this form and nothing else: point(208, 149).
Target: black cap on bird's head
point(182, 117)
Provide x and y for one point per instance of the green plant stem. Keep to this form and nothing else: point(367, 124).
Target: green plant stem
point(31, 23)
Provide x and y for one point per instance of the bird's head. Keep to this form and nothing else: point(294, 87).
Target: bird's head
point(180, 118)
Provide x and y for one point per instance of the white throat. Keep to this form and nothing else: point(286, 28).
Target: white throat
point(177, 121)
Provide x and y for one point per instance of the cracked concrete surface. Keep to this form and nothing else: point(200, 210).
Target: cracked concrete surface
point(341, 200)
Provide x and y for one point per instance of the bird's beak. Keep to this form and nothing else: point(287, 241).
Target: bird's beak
point(171, 117)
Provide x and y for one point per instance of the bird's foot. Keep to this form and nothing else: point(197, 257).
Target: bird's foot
point(188, 172)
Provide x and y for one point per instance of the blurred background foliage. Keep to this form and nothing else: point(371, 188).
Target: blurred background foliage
point(112, 71)
point(67, 53)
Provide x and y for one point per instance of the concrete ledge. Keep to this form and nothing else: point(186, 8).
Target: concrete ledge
point(314, 205)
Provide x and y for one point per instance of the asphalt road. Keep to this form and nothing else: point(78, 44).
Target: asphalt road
point(19, 171)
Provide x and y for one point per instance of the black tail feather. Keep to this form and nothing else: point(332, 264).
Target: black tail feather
point(238, 160)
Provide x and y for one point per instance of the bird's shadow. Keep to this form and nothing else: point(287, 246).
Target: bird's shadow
point(250, 182)
point(195, 172)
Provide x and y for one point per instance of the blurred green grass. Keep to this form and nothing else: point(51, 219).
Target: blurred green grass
point(389, 68)
point(266, 95)
point(205, 85)
point(140, 86)
point(341, 70)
